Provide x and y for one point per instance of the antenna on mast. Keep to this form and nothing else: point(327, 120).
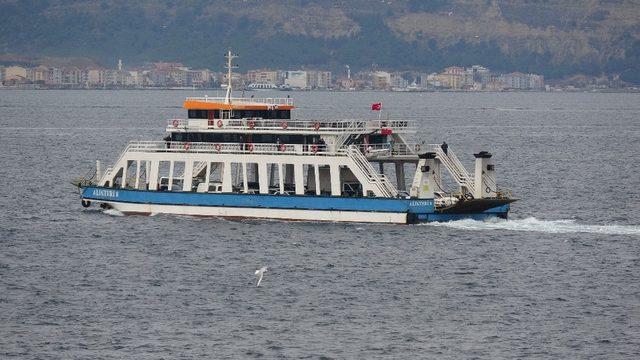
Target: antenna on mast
point(230, 67)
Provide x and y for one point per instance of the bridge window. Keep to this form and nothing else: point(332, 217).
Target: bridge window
point(264, 114)
point(241, 114)
point(204, 114)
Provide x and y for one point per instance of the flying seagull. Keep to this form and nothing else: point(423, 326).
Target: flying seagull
point(260, 273)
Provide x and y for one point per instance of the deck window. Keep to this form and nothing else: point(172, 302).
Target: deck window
point(240, 138)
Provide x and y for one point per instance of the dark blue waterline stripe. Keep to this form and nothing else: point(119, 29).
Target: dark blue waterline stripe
point(262, 201)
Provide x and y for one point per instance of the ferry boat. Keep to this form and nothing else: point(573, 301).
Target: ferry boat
point(249, 158)
point(264, 86)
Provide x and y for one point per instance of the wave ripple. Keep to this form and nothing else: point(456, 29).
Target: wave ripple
point(536, 225)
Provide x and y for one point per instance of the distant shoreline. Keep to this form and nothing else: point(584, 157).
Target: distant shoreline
point(558, 90)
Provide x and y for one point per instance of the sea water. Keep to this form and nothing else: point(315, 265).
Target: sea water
point(559, 279)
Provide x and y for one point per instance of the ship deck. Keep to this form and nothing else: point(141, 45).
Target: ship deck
point(373, 152)
point(286, 126)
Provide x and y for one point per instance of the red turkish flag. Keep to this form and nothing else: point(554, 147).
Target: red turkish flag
point(376, 106)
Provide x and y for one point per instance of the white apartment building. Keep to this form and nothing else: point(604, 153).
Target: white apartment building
point(297, 79)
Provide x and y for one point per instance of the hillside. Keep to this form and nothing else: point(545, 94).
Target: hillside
point(557, 38)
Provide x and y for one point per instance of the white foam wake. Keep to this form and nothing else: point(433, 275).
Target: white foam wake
point(112, 212)
point(548, 226)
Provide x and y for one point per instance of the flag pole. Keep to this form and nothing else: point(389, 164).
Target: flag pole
point(380, 112)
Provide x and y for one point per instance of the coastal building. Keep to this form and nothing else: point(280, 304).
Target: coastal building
point(216, 77)
point(521, 81)
point(515, 80)
point(116, 78)
point(282, 76)
point(262, 76)
point(398, 82)
point(319, 79)
point(296, 79)
point(424, 80)
point(15, 74)
point(158, 77)
point(168, 75)
point(381, 80)
point(237, 80)
point(440, 81)
point(536, 81)
point(433, 80)
point(209, 79)
point(494, 85)
point(37, 75)
point(452, 77)
point(71, 76)
point(480, 74)
point(349, 84)
point(179, 76)
point(133, 79)
point(94, 77)
point(54, 76)
point(193, 78)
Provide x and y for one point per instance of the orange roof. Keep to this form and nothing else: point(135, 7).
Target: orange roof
point(207, 105)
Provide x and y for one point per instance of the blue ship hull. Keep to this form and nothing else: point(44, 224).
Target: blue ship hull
point(294, 207)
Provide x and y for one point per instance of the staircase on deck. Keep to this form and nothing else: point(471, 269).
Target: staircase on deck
point(375, 179)
point(455, 168)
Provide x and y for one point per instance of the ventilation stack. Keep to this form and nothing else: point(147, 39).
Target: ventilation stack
point(427, 178)
point(485, 176)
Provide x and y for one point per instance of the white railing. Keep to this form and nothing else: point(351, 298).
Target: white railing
point(348, 126)
point(459, 165)
point(244, 101)
point(455, 167)
point(389, 150)
point(229, 148)
point(259, 148)
point(217, 148)
point(105, 175)
point(351, 129)
point(107, 172)
point(490, 183)
point(380, 181)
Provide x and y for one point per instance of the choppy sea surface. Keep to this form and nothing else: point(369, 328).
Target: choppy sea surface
point(559, 279)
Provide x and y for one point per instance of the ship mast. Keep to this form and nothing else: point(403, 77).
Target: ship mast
point(230, 67)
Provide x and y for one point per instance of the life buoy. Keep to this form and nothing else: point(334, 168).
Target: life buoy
point(282, 147)
point(187, 145)
point(176, 122)
point(86, 203)
point(417, 147)
point(284, 125)
point(316, 126)
point(314, 148)
point(218, 147)
point(250, 147)
point(219, 123)
point(251, 124)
